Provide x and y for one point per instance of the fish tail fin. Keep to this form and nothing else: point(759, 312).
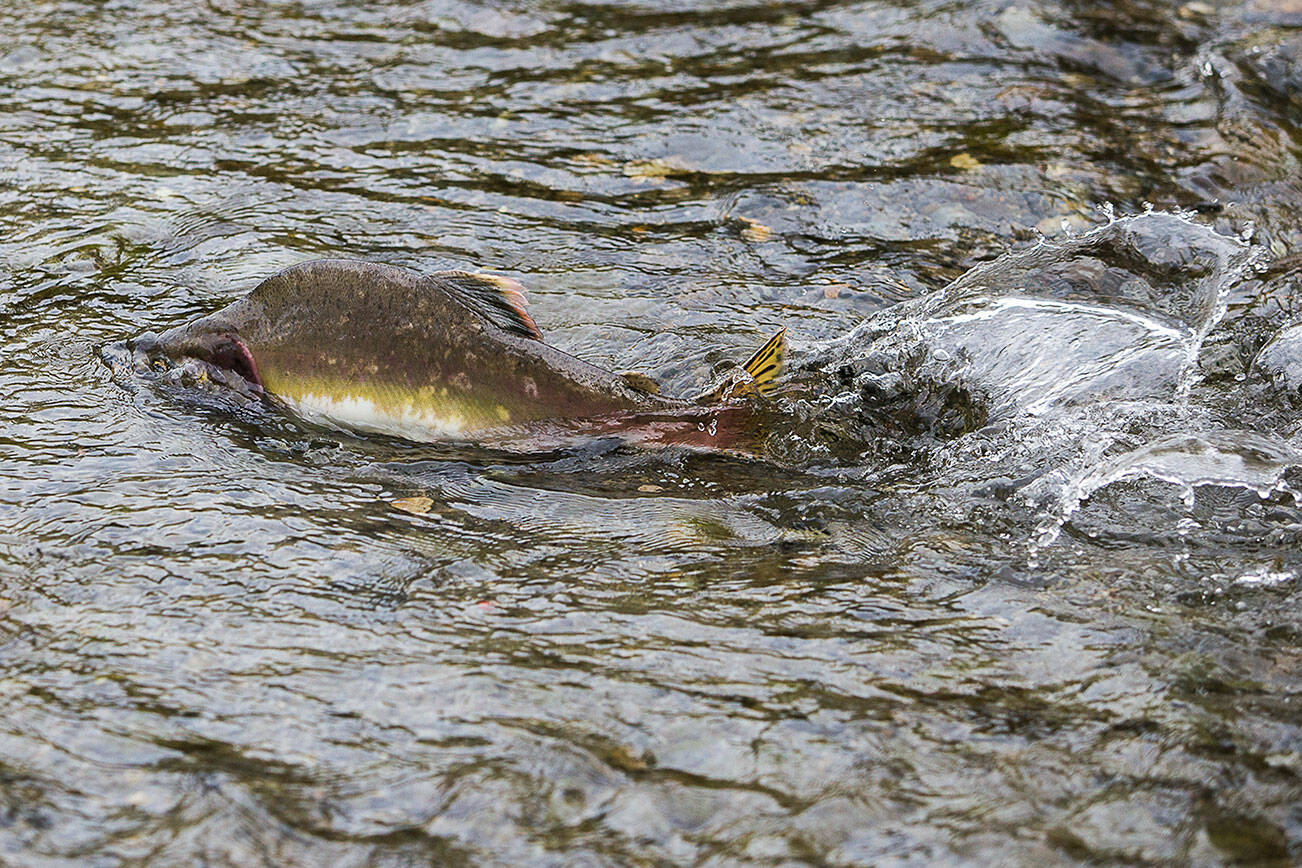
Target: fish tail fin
point(766, 365)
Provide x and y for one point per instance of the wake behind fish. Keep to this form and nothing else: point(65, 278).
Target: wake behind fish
point(1055, 373)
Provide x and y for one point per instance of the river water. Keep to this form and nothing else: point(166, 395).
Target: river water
point(1011, 575)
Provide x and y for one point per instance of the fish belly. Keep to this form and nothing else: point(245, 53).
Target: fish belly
point(412, 419)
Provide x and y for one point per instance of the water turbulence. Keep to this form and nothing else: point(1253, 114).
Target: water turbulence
point(1227, 459)
point(1006, 570)
point(1045, 367)
point(1118, 314)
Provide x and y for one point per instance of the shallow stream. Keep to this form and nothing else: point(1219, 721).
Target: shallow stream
point(1011, 575)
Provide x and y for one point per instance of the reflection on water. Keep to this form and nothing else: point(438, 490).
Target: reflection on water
point(1013, 578)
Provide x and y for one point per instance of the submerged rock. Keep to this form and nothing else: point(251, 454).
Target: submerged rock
point(1276, 70)
point(1280, 360)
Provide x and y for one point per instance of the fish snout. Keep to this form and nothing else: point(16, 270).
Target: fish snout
point(144, 343)
point(145, 351)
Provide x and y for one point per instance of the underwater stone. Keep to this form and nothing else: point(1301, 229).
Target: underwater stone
point(1281, 359)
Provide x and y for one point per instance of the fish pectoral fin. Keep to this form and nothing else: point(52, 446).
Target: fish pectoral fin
point(640, 382)
point(500, 299)
point(765, 366)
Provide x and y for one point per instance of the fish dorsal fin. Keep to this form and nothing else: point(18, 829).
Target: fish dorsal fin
point(498, 298)
point(765, 366)
point(640, 382)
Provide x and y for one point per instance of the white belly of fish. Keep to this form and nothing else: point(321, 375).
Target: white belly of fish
point(361, 413)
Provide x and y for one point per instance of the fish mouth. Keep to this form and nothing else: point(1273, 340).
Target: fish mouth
point(229, 353)
point(220, 359)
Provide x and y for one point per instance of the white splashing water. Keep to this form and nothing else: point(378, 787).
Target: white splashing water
point(1232, 459)
point(1085, 350)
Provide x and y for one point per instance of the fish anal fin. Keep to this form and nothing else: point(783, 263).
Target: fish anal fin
point(500, 299)
point(640, 382)
point(766, 365)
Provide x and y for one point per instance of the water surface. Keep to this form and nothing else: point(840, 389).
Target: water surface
point(1012, 578)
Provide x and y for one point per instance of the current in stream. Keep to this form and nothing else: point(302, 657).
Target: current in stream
point(1009, 573)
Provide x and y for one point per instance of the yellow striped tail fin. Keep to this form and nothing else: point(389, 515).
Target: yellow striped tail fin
point(766, 365)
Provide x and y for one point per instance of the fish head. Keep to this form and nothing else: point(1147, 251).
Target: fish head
point(209, 350)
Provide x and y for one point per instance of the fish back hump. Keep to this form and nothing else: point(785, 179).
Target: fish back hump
point(356, 321)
